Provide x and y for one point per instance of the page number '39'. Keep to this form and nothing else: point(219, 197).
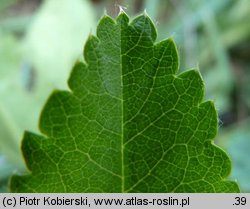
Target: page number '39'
point(240, 201)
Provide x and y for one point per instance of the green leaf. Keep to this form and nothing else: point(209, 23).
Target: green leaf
point(130, 123)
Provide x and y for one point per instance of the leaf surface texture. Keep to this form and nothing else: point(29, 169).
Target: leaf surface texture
point(129, 124)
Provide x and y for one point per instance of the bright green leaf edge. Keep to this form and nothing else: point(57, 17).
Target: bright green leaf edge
point(130, 123)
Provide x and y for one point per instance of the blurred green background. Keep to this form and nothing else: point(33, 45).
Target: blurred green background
point(40, 40)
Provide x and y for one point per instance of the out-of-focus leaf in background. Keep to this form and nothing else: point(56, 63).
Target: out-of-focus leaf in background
point(236, 140)
point(10, 131)
point(54, 40)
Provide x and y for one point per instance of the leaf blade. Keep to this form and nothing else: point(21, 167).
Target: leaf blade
point(130, 123)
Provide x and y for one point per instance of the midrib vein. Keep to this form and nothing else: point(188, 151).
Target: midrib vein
point(122, 118)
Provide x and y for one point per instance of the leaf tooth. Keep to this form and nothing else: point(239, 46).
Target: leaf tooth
point(31, 142)
point(191, 84)
point(122, 19)
point(143, 26)
point(166, 54)
point(105, 25)
point(90, 45)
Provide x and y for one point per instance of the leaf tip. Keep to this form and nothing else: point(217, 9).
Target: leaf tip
point(143, 23)
point(122, 17)
point(105, 13)
point(121, 8)
point(171, 40)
